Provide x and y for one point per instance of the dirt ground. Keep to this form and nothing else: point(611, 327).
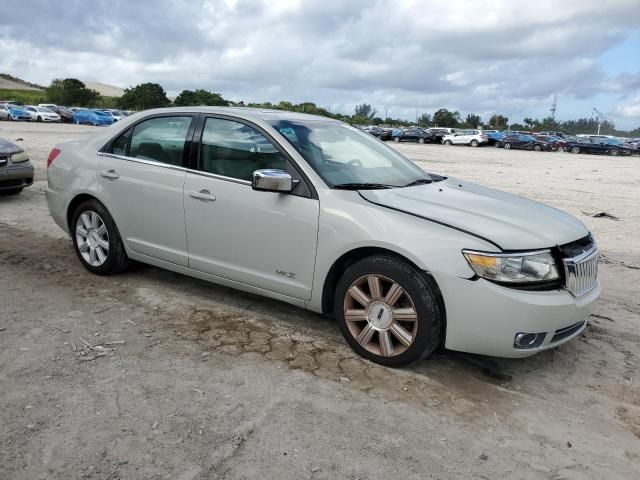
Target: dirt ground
point(189, 380)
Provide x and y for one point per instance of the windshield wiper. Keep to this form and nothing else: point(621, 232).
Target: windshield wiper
point(361, 186)
point(420, 181)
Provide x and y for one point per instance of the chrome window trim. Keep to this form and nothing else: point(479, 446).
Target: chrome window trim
point(155, 163)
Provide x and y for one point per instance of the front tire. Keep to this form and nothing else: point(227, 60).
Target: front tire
point(615, 152)
point(96, 239)
point(507, 146)
point(421, 140)
point(537, 148)
point(388, 311)
point(575, 150)
point(396, 139)
point(448, 143)
point(39, 119)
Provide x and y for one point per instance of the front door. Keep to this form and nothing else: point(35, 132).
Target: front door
point(141, 179)
point(263, 239)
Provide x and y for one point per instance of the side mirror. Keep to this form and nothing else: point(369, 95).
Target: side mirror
point(272, 180)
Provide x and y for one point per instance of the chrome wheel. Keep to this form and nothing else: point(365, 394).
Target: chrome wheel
point(92, 238)
point(380, 315)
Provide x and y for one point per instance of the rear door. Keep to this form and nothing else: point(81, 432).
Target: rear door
point(263, 239)
point(141, 179)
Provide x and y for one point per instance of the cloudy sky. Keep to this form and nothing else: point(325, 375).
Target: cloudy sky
point(499, 56)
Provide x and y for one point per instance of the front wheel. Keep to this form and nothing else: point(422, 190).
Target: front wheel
point(448, 142)
point(396, 139)
point(560, 149)
point(575, 150)
point(421, 140)
point(507, 146)
point(39, 119)
point(537, 148)
point(388, 311)
point(96, 239)
point(615, 152)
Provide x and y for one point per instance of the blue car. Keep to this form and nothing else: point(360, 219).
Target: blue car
point(493, 136)
point(13, 112)
point(92, 117)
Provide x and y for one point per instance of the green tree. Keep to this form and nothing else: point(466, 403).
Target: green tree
point(71, 92)
point(365, 110)
point(445, 118)
point(190, 98)
point(499, 122)
point(424, 120)
point(473, 120)
point(144, 96)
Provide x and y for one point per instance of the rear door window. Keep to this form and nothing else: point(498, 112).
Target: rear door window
point(161, 139)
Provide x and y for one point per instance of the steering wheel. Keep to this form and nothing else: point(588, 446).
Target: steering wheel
point(354, 163)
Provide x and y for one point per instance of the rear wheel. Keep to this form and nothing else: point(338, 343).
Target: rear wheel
point(507, 146)
point(39, 119)
point(560, 149)
point(388, 311)
point(575, 149)
point(421, 140)
point(474, 143)
point(537, 148)
point(396, 139)
point(96, 239)
point(614, 152)
point(448, 142)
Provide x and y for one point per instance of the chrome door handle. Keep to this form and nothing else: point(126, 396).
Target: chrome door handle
point(203, 195)
point(111, 174)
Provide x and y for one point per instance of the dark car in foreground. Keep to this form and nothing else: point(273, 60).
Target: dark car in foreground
point(599, 146)
point(414, 135)
point(521, 141)
point(16, 171)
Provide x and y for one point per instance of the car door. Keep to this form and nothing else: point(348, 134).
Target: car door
point(263, 239)
point(459, 138)
point(141, 179)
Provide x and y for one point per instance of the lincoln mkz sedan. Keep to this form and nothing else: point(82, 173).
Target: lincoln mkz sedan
point(316, 213)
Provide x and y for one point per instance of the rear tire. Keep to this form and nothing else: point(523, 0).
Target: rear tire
point(448, 142)
point(389, 311)
point(537, 148)
point(474, 143)
point(96, 239)
point(560, 149)
point(575, 149)
point(39, 119)
point(396, 139)
point(615, 152)
point(507, 146)
point(421, 140)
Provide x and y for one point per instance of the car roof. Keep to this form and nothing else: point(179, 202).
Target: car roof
point(248, 113)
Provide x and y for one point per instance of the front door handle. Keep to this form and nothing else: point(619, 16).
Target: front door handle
point(111, 174)
point(203, 195)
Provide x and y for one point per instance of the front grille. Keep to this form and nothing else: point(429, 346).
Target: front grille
point(581, 271)
point(567, 331)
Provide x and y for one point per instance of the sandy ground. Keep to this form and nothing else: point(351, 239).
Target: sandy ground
point(199, 381)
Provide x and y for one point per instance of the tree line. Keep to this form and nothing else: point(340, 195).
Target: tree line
point(70, 91)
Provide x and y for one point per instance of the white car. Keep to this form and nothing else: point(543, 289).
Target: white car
point(474, 138)
point(319, 214)
point(42, 114)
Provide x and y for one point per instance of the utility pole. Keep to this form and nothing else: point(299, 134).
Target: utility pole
point(553, 107)
point(599, 116)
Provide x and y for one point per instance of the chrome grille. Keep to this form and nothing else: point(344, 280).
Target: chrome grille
point(581, 272)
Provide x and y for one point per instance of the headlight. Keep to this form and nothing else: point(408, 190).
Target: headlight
point(537, 266)
point(19, 157)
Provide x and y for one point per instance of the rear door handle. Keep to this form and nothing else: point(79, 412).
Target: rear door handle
point(203, 195)
point(111, 174)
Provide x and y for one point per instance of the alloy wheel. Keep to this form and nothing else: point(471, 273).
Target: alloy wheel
point(92, 238)
point(380, 315)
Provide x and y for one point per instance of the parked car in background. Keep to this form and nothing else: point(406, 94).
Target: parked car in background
point(252, 199)
point(9, 111)
point(493, 136)
point(114, 114)
point(473, 138)
point(77, 109)
point(414, 135)
point(553, 133)
point(438, 133)
point(92, 117)
point(599, 146)
point(520, 141)
point(42, 114)
point(48, 105)
point(381, 133)
point(16, 171)
point(66, 115)
point(556, 143)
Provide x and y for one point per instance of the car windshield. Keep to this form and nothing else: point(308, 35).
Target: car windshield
point(345, 156)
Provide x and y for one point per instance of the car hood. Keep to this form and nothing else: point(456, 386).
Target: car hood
point(8, 148)
point(506, 220)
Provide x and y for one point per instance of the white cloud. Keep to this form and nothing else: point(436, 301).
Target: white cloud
point(504, 55)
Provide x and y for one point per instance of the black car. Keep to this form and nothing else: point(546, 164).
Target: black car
point(414, 135)
point(16, 171)
point(66, 115)
point(599, 146)
point(521, 141)
point(381, 133)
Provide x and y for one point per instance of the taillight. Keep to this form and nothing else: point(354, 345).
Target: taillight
point(52, 156)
